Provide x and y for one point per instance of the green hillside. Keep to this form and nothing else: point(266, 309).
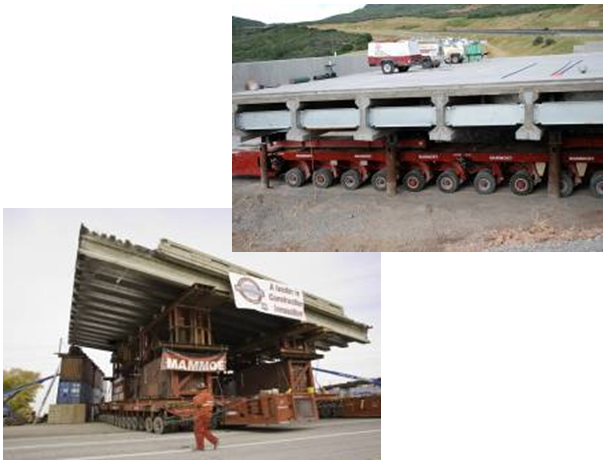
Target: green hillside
point(379, 11)
point(292, 41)
point(237, 22)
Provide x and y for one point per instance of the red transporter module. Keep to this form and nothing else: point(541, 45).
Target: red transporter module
point(522, 165)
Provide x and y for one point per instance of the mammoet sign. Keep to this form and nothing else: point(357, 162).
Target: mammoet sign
point(267, 296)
point(172, 361)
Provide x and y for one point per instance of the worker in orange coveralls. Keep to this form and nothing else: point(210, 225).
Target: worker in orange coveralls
point(203, 412)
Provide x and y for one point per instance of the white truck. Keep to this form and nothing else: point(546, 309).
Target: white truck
point(392, 56)
point(433, 53)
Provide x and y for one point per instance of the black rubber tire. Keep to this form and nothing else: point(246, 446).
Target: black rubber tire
point(294, 177)
point(484, 182)
point(149, 424)
point(351, 179)
point(403, 69)
point(427, 63)
point(217, 418)
point(566, 185)
point(455, 59)
point(388, 67)
point(521, 183)
point(448, 181)
point(379, 180)
point(414, 181)
point(596, 184)
point(323, 178)
point(159, 425)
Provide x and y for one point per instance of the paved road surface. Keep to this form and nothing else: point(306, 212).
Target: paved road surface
point(327, 439)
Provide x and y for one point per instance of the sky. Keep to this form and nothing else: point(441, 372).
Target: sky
point(286, 12)
point(38, 268)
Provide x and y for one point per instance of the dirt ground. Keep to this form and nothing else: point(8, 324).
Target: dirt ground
point(311, 219)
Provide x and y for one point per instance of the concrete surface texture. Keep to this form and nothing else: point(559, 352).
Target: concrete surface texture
point(327, 439)
point(307, 218)
point(479, 75)
point(280, 72)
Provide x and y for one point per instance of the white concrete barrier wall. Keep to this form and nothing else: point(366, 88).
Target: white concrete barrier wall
point(280, 72)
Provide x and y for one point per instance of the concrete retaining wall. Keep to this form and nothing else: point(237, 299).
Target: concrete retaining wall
point(273, 73)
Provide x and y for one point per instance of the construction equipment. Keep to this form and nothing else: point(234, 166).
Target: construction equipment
point(474, 51)
point(10, 394)
point(175, 318)
point(523, 166)
point(376, 381)
point(454, 50)
point(347, 403)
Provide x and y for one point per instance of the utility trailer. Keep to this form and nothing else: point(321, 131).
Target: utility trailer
point(522, 165)
point(394, 56)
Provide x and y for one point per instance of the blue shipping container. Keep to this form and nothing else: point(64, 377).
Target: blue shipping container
point(74, 393)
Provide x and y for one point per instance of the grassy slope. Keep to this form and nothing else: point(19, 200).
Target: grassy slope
point(374, 11)
point(244, 22)
point(292, 41)
point(583, 16)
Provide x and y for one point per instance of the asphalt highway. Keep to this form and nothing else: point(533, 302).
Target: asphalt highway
point(326, 439)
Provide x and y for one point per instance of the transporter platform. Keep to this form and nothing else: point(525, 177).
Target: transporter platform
point(527, 94)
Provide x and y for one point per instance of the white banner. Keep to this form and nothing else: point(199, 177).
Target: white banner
point(267, 296)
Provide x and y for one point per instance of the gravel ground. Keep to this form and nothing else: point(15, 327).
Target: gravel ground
point(311, 219)
point(594, 244)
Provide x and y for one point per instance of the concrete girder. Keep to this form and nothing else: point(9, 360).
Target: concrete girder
point(529, 131)
point(296, 132)
point(365, 131)
point(441, 133)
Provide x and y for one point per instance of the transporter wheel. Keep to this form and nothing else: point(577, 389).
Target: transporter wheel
point(566, 185)
point(294, 177)
point(323, 178)
point(427, 63)
point(379, 180)
point(596, 184)
point(414, 181)
point(403, 69)
point(448, 181)
point(521, 183)
point(141, 423)
point(351, 179)
point(159, 425)
point(388, 67)
point(149, 424)
point(455, 59)
point(217, 417)
point(485, 183)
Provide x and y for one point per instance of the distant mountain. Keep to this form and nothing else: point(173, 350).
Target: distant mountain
point(381, 11)
point(243, 22)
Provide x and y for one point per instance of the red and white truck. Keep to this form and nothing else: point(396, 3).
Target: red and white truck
point(392, 56)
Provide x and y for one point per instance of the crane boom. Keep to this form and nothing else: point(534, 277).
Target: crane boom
point(376, 381)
